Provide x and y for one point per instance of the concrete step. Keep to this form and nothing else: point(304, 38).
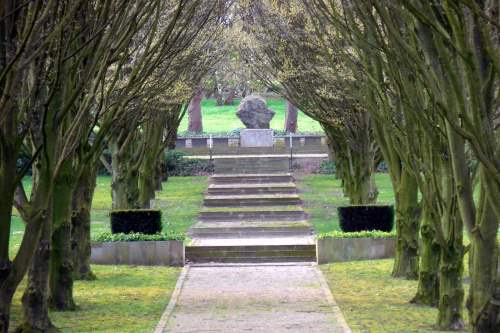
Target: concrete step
point(264, 188)
point(251, 253)
point(252, 200)
point(252, 164)
point(260, 214)
point(241, 229)
point(262, 178)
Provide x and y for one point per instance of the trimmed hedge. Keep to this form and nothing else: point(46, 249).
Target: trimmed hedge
point(135, 237)
point(144, 221)
point(358, 234)
point(177, 165)
point(366, 218)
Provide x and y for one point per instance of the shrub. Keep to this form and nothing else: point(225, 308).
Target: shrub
point(177, 165)
point(371, 217)
point(145, 221)
point(327, 168)
point(357, 234)
point(234, 133)
point(134, 237)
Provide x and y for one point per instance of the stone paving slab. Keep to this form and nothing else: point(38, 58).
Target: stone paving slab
point(249, 241)
point(255, 298)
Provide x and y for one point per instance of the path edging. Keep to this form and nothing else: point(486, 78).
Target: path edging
point(162, 324)
point(337, 313)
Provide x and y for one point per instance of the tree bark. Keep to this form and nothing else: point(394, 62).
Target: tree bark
point(194, 112)
point(230, 97)
point(291, 118)
point(61, 264)
point(407, 227)
point(483, 301)
point(428, 278)
point(125, 190)
point(81, 222)
point(35, 298)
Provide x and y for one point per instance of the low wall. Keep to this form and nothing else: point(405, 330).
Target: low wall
point(142, 253)
point(231, 145)
point(350, 249)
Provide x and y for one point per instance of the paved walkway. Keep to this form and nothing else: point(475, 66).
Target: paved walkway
point(253, 298)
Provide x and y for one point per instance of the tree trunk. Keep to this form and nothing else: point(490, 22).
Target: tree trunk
point(194, 112)
point(357, 177)
point(147, 177)
point(160, 175)
point(230, 97)
point(35, 298)
point(451, 292)
point(125, 190)
point(291, 118)
point(484, 294)
point(407, 226)
point(428, 278)
point(12, 272)
point(81, 222)
point(61, 265)
point(7, 188)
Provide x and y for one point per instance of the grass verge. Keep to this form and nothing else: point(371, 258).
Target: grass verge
point(122, 299)
point(373, 302)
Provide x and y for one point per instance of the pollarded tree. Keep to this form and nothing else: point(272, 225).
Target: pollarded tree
point(449, 82)
point(289, 57)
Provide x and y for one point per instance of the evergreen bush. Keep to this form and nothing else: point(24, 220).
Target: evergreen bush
point(177, 165)
point(366, 217)
point(144, 221)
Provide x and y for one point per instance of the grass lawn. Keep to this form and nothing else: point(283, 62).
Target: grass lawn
point(222, 119)
point(122, 299)
point(181, 197)
point(373, 302)
point(322, 194)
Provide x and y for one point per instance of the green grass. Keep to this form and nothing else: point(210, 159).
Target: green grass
point(372, 301)
point(181, 200)
point(222, 119)
point(122, 299)
point(322, 194)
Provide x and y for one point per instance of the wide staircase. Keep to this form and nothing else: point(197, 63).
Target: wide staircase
point(251, 218)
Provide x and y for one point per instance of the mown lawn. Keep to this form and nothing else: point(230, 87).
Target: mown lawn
point(374, 302)
point(181, 200)
point(122, 299)
point(322, 194)
point(222, 119)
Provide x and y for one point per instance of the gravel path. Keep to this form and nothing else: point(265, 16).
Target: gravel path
point(258, 298)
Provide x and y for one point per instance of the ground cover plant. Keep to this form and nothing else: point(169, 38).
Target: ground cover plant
point(223, 119)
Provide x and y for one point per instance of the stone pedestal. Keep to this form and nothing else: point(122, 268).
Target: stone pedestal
point(256, 137)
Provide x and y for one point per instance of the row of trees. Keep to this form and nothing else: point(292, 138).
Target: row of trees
point(77, 77)
point(415, 83)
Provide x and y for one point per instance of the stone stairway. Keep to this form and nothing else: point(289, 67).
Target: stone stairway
point(252, 165)
point(251, 218)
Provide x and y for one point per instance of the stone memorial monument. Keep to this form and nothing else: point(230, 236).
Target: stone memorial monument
point(254, 113)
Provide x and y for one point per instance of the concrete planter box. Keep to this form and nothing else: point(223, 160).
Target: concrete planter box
point(350, 249)
point(142, 253)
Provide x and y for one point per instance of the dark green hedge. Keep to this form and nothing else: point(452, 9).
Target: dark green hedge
point(369, 217)
point(144, 221)
point(135, 237)
point(176, 165)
